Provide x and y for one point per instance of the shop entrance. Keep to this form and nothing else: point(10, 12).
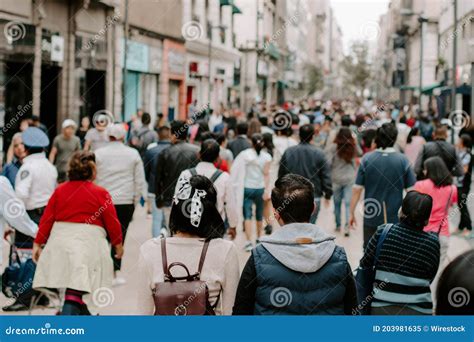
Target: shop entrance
point(18, 97)
point(49, 98)
point(94, 93)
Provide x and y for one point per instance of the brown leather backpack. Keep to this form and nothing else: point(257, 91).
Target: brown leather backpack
point(182, 296)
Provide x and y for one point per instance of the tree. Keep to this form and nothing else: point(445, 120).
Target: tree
point(357, 67)
point(314, 79)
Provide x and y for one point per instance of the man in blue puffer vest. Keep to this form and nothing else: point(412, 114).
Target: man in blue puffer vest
point(298, 270)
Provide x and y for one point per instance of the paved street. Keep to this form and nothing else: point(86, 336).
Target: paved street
point(140, 231)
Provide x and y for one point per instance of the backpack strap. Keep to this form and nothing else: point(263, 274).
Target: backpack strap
point(215, 175)
point(203, 257)
point(193, 172)
point(164, 259)
point(380, 242)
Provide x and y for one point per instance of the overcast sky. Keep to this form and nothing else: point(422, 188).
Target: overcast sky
point(358, 18)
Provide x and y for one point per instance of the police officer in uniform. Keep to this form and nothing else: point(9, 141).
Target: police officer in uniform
point(34, 184)
point(37, 177)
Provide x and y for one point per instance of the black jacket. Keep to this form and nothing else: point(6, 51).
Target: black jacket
point(442, 149)
point(238, 145)
point(308, 161)
point(171, 162)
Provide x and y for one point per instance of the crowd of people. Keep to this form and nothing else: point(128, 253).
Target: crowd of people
point(265, 175)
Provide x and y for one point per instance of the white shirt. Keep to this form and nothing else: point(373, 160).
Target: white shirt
point(12, 211)
point(226, 202)
point(120, 171)
point(254, 177)
point(281, 144)
point(36, 181)
point(214, 121)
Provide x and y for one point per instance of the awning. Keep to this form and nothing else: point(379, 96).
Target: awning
point(406, 87)
point(227, 2)
point(236, 10)
point(428, 90)
point(462, 89)
point(272, 50)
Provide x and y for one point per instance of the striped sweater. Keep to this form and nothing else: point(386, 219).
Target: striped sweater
point(408, 262)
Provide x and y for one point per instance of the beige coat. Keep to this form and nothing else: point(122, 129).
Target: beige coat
point(77, 256)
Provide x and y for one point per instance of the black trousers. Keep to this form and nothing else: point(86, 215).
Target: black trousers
point(25, 241)
point(465, 222)
point(125, 215)
point(368, 232)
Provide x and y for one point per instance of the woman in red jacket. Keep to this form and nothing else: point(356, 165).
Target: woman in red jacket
point(72, 245)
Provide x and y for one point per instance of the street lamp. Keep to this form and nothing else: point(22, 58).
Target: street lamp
point(421, 20)
point(209, 90)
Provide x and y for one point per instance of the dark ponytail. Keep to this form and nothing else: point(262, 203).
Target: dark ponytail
point(414, 131)
point(257, 142)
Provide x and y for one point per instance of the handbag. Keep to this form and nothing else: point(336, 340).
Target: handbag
point(182, 296)
point(365, 277)
point(17, 279)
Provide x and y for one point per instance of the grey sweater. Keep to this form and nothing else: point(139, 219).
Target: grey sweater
point(342, 172)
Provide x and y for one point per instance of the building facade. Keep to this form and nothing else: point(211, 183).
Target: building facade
point(211, 60)
point(56, 61)
point(463, 31)
point(416, 46)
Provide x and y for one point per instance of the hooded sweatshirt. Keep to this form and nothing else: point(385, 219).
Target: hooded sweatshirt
point(298, 270)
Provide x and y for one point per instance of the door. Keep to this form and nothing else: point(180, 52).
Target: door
point(18, 96)
point(173, 106)
point(132, 94)
point(49, 98)
point(94, 93)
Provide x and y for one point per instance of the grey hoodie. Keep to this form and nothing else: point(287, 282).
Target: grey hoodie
point(297, 256)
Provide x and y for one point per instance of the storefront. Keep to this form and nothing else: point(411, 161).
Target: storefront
point(52, 60)
point(173, 80)
point(141, 83)
point(16, 77)
point(89, 75)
